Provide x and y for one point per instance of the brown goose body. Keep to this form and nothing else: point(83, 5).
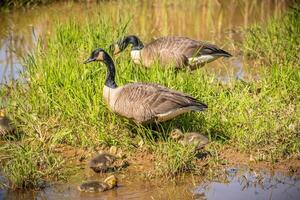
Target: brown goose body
point(176, 51)
point(143, 102)
point(149, 102)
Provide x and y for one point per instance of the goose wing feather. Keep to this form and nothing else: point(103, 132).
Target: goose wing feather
point(184, 46)
point(145, 101)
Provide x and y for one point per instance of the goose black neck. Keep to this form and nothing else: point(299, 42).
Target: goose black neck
point(111, 71)
point(135, 41)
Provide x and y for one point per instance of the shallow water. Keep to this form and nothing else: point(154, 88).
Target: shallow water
point(238, 184)
point(211, 20)
point(252, 185)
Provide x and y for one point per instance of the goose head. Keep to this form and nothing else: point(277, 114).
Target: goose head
point(102, 56)
point(97, 55)
point(122, 44)
point(116, 48)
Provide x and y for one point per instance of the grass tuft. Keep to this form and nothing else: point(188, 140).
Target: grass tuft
point(30, 165)
point(174, 159)
point(277, 43)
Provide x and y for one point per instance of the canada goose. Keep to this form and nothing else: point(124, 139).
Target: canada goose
point(181, 51)
point(143, 102)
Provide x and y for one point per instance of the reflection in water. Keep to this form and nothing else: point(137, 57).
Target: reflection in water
point(252, 185)
point(240, 184)
point(211, 20)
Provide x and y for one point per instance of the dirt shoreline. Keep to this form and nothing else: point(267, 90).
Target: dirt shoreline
point(143, 163)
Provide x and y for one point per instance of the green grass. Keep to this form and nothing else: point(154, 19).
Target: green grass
point(174, 158)
point(30, 164)
point(278, 42)
point(62, 102)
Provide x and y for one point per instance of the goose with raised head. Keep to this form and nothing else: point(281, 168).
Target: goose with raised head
point(179, 51)
point(143, 102)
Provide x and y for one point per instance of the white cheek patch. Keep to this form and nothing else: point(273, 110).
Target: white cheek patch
point(136, 55)
point(100, 56)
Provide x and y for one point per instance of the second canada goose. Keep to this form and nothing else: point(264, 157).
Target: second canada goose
point(180, 51)
point(142, 102)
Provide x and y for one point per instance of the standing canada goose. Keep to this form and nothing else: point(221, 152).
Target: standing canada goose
point(143, 102)
point(180, 51)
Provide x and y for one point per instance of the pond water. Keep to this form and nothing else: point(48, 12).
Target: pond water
point(237, 184)
point(216, 21)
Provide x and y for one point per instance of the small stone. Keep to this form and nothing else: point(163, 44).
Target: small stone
point(141, 143)
point(251, 159)
point(120, 153)
point(113, 150)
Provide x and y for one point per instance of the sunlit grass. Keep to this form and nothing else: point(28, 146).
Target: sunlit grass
point(277, 43)
point(62, 104)
point(174, 158)
point(30, 164)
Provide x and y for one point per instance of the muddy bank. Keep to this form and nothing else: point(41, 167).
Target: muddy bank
point(238, 176)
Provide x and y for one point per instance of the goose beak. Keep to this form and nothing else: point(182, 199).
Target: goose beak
point(115, 49)
point(89, 60)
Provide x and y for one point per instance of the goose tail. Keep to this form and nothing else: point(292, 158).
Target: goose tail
point(222, 53)
point(198, 107)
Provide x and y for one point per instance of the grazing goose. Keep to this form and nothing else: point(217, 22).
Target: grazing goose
point(181, 51)
point(142, 102)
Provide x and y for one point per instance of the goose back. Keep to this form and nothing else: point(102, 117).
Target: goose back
point(178, 50)
point(148, 102)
